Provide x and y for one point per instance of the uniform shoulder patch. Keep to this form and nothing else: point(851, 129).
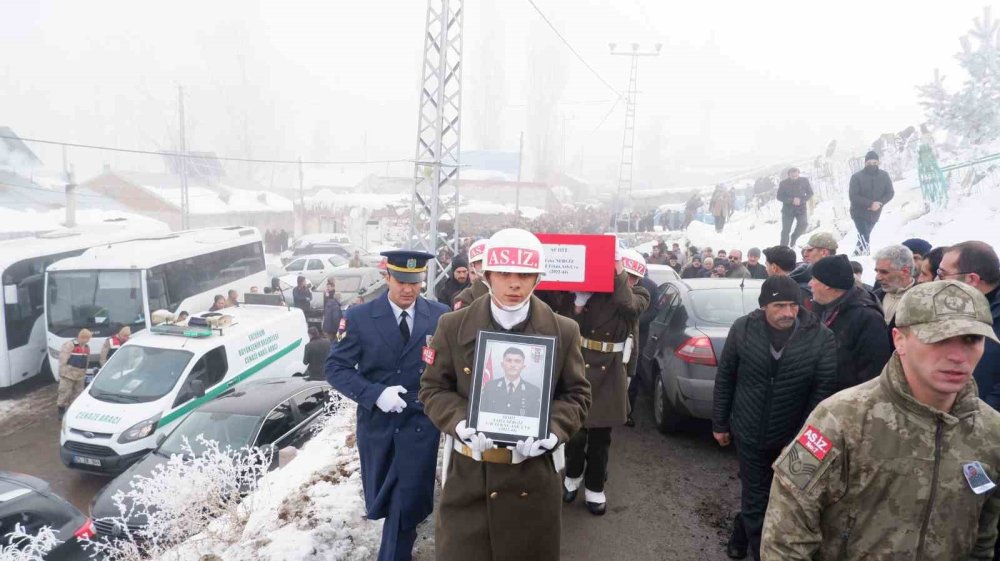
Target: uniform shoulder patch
point(457, 305)
point(799, 465)
point(807, 458)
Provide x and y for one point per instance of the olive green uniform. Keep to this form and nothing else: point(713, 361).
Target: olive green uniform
point(500, 511)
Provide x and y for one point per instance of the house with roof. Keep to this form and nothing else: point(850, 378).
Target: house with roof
point(214, 199)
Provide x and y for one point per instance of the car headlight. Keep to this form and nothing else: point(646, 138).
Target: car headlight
point(140, 430)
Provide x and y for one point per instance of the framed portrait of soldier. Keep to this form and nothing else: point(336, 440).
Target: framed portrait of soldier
point(512, 381)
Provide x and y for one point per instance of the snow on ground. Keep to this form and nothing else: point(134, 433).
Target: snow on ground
point(310, 509)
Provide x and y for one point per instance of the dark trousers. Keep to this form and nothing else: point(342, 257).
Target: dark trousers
point(397, 542)
point(864, 227)
point(786, 226)
point(720, 222)
point(755, 482)
point(633, 392)
point(587, 455)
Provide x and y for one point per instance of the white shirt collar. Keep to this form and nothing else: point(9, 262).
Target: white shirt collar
point(507, 383)
point(397, 310)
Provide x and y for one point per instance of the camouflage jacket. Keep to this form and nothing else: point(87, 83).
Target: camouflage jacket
point(874, 474)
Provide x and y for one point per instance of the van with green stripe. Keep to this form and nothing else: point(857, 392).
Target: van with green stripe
point(162, 374)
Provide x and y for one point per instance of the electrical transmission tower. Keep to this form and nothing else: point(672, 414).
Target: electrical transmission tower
point(624, 196)
point(435, 176)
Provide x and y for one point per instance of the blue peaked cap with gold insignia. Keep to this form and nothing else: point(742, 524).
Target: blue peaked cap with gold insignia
point(407, 265)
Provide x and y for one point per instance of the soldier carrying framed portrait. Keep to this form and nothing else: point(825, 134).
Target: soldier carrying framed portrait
point(512, 380)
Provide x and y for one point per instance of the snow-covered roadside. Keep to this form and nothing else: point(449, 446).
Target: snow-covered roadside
point(310, 509)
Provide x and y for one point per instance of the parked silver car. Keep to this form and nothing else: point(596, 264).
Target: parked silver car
point(678, 360)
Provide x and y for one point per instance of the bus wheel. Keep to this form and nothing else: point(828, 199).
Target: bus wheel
point(46, 369)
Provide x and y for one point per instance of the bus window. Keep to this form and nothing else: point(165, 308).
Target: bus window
point(102, 301)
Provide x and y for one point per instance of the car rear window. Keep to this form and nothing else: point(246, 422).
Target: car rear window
point(723, 305)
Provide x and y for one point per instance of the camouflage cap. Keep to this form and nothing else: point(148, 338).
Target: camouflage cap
point(939, 310)
point(823, 240)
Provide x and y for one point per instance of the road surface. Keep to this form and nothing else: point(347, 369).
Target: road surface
point(669, 497)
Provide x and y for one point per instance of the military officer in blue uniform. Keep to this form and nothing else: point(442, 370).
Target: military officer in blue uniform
point(384, 345)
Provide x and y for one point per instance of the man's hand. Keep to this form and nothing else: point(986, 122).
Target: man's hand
point(723, 438)
point(389, 401)
point(875, 206)
point(476, 441)
point(796, 201)
point(531, 448)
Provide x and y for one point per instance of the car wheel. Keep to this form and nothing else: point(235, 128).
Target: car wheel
point(665, 417)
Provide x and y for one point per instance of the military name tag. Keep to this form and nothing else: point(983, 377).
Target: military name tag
point(978, 480)
point(428, 355)
point(814, 441)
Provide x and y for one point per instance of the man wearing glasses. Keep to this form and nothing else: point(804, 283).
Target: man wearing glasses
point(975, 264)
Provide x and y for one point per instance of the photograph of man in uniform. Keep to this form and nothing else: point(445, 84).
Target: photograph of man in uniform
point(511, 395)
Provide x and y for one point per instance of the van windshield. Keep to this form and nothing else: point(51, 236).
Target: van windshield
point(136, 374)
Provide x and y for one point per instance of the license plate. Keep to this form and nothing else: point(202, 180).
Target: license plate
point(86, 461)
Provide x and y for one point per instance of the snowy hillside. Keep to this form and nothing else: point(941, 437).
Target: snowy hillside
point(971, 213)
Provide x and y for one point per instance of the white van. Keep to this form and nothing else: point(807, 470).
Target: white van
point(162, 374)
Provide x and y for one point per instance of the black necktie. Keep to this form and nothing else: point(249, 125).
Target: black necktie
point(404, 329)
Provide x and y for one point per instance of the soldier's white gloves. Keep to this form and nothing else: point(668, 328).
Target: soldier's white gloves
point(530, 448)
point(476, 441)
point(389, 401)
point(581, 298)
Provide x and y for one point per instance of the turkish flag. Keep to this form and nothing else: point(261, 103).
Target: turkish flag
point(488, 367)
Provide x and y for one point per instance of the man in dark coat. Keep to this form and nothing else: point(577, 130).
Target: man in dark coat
point(332, 313)
point(753, 264)
point(975, 263)
point(478, 288)
point(608, 328)
point(457, 281)
point(378, 363)
point(854, 316)
point(870, 190)
point(316, 352)
point(793, 192)
point(695, 270)
point(778, 363)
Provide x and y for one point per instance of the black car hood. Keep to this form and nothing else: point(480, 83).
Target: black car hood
point(104, 504)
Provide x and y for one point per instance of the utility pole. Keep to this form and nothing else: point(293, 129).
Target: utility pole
point(435, 173)
point(517, 190)
point(185, 201)
point(302, 201)
point(624, 196)
point(70, 191)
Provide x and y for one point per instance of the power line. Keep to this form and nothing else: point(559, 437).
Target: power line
point(199, 156)
point(570, 47)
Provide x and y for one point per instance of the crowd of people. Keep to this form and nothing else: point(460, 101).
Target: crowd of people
point(915, 339)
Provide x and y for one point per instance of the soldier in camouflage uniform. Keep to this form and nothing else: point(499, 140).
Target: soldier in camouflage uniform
point(902, 466)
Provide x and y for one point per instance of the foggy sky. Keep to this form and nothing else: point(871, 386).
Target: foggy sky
point(736, 85)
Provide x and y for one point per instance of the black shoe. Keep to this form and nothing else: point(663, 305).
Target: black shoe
point(569, 496)
point(630, 422)
point(736, 552)
point(597, 509)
